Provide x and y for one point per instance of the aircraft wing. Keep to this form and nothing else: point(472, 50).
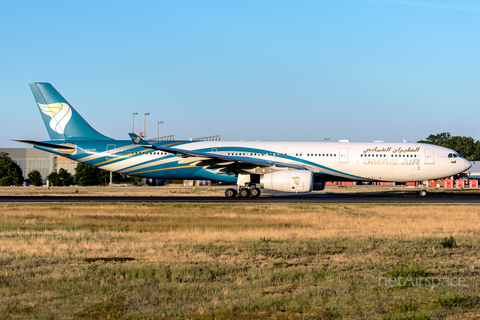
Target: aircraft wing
point(213, 159)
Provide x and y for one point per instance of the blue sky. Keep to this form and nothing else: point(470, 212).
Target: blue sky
point(263, 70)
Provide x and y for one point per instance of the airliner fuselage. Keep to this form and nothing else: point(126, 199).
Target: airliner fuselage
point(282, 166)
point(359, 161)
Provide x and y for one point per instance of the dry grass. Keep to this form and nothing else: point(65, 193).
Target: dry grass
point(174, 190)
point(138, 191)
point(237, 221)
point(234, 261)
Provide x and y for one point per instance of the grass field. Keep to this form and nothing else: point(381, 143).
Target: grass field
point(189, 261)
point(175, 190)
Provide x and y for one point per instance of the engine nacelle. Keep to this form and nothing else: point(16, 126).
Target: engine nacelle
point(288, 181)
point(319, 186)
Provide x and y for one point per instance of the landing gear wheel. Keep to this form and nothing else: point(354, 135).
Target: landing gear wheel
point(255, 192)
point(423, 193)
point(244, 193)
point(230, 193)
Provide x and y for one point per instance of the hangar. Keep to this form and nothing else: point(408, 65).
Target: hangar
point(30, 159)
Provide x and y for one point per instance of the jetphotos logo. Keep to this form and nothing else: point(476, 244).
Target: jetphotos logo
point(60, 114)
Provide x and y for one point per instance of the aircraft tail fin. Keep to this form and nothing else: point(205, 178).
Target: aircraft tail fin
point(62, 121)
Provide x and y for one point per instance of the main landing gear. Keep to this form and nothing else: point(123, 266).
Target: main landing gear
point(243, 192)
point(423, 193)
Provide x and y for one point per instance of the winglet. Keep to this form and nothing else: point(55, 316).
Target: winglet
point(137, 140)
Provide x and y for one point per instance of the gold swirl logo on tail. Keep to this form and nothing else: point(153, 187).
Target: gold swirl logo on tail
point(60, 114)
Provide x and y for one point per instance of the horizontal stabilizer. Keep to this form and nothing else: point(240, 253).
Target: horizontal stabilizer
point(47, 145)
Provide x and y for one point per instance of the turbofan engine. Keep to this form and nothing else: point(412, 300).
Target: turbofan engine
point(288, 181)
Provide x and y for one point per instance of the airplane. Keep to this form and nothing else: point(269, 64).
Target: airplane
point(292, 167)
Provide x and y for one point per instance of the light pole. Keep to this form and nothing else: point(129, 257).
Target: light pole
point(145, 125)
point(158, 124)
point(133, 121)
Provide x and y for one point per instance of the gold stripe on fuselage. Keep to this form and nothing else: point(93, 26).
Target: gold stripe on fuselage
point(160, 169)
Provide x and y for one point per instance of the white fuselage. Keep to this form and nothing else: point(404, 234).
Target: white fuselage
point(362, 161)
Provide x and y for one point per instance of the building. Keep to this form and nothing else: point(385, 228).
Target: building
point(30, 159)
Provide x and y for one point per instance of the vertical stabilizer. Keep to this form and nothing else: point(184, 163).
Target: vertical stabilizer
point(62, 121)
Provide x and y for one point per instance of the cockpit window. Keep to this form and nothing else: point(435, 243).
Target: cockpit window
point(453, 155)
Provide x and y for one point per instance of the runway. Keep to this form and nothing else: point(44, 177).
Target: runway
point(381, 199)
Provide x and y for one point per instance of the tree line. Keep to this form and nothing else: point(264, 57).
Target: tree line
point(85, 175)
point(467, 147)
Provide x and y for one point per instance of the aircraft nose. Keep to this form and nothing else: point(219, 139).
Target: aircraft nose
point(467, 164)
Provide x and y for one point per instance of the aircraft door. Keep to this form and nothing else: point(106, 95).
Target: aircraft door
point(429, 156)
point(110, 151)
point(343, 155)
